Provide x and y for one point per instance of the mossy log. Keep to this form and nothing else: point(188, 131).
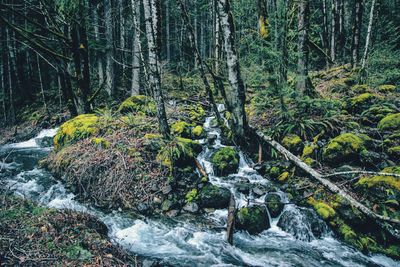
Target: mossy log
point(380, 219)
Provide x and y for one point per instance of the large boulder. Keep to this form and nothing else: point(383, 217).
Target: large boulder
point(345, 147)
point(274, 204)
point(253, 219)
point(215, 197)
point(225, 161)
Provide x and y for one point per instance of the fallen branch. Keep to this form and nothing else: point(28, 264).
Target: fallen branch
point(200, 168)
point(380, 219)
point(231, 220)
point(360, 172)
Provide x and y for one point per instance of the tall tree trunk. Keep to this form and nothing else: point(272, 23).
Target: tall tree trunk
point(236, 96)
point(122, 36)
point(333, 29)
point(342, 33)
point(369, 32)
point(167, 30)
point(217, 38)
point(98, 54)
point(262, 18)
point(3, 87)
point(41, 87)
point(355, 44)
point(303, 80)
point(136, 49)
point(152, 18)
point(281, 39)
point(110, 83)
point(10, 82)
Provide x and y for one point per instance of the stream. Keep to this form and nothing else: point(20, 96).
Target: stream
point(183, 242)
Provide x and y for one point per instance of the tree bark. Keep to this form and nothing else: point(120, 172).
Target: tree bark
point(355, 44)
point(136, 51)
point(152, 18)
point(235, 97)
point(334, 29)
point(369, 32)
point(41, 87)
point(109, 51)
point(98, 54)
point(303, 84)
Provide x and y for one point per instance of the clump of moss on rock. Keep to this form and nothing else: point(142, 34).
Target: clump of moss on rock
point(323, 209)
point(293, 143)
point(138, 103)
point(253, 219)
point(197, 114)
point(374, 114)
point(181, 128)
point(390, 122)
point(360, 88)
point(198, 132)
point(225, 161)
point(383, 180)
point(78, 128)
point(347, 146)
point(360, 102)
point(386, 88)
point(274, 204)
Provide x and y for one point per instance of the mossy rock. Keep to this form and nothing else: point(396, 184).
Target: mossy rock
point(225, 161)
point(138, 103)
point(192, 195)
point(323, 209)
point(283, 177)
point(293, 143)
point(390, 123)
point(197, 114)
point(347, 146)
point(360, 89)
point(361, 102)
point(215, 197)
point(178, 152)
point(375, 114)
point(339, 86)
point(274, 205)
point(182, 129)
point(386, 88)
point(75, 129)
point(253, 219)
point(198, 132)
point(382, 181)
point(309, 150)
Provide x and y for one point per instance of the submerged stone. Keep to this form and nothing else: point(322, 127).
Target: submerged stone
point(274, 205)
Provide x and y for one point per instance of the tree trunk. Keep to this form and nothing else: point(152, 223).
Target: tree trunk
point(281, 39)
point(109, 51)
point(122, 36)
point(236, 96)
point(355, 44)
point(41, 87)
point(136, 51)
point(167, 30)
point(10, 82)
point(217, 38)
point(333, 29)
point(369, 32)
point(98, 54)
point(304, 84)
point(152, 18)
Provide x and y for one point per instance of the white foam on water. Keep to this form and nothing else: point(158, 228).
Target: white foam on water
point(31, 143)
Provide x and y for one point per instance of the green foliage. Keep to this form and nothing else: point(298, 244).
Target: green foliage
point(181, 128)
point(138, 104)
point(323, 209)
point(390, 122)
point(192, 195)
point(381, 180)
point(344, 147)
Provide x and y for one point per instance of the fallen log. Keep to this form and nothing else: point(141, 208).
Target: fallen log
point(380, 219)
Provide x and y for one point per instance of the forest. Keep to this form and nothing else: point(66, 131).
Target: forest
point(199, 133)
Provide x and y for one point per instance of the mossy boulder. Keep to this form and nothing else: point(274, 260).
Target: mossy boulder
point(253, 219)
point(339, 85)
point(382, 181)
point(375, 114)
point(323, 209)
point(182, 128)
point(293, 143)
point(198, 132)
point(390, 123)
point(309, 150)
point(361, 102)
point(138, 103)
point(197, 114)
point(386, 88)
point(274, 204)
point(75, 129)
point(394, 153)
point(225, 161)
point(215, 197)
point(344, 147)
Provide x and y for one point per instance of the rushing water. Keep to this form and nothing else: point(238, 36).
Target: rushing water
point(180, 242)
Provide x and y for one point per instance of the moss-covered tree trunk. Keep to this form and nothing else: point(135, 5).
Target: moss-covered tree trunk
point(235, 96)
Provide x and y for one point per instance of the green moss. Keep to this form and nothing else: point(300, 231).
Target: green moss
point(383, 181)
point(292, 142)
point(374, 114)
point(310, 162)
point(339, 86)
point(140, 104)
point(390, 122)
point(323, 209)
point(359, 102)
point(225, 161)
point(394, 152)
point(345, 146)
point(197, 114)
point(198, 132)
point(360, 88)
point(308, 150)
point(78, 128)
point(347, 232)
point(76, 252)
point(283, 177)
point(181, 128)
point(191, 195)
point(253, 219)
point(274, 171)
point(101, 142)
point(386, 88)
point(152, 136)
